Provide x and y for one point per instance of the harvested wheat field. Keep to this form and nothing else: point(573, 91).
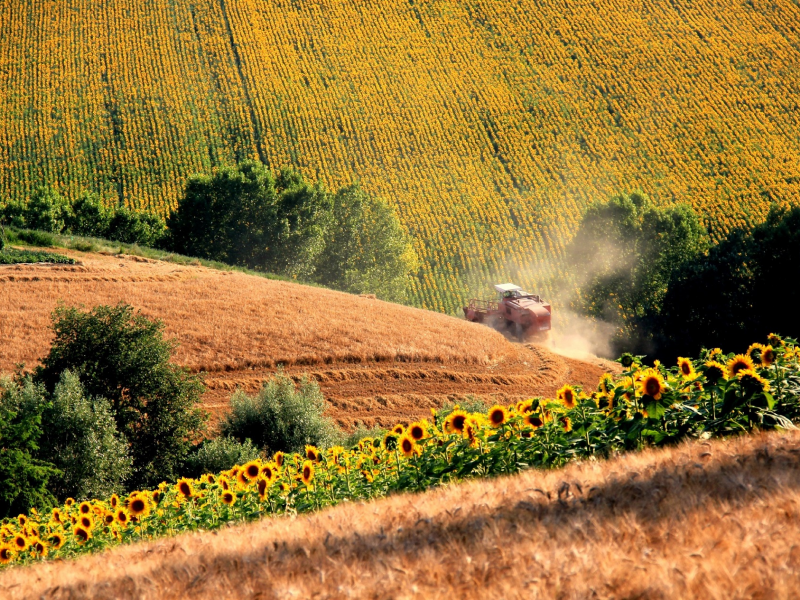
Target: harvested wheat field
point(377, 362)
point(702, 520)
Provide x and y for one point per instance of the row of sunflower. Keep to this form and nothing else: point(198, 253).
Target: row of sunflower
point(715, 394)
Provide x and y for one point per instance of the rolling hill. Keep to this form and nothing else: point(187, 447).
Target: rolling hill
point(376, 362)
point(489, 125)
point(700, 520)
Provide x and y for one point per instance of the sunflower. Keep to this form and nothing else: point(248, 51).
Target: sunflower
point(56, 540)
point(418, 430)
point(22, 519)
point(251, 470)
point(774, 339)
point(606, 383)
point(138, 506)
point(6, 554)
point(19, 542)
point(82, 534)
point(39, 547)
point(752, 381)
point(714, 371)
point(308, 472)
point(604, 401)
point(566, 395)
point(278, 458)
point(269, 472)
point(390, 440)
point(312, 453)
point(565, 423)
point(69, 502)
point(122, 517)
point(85, 508)
point(209, 478)
point(86, 522)
point(456, 421)
point(754, 351)
point(767, 356)
point(398, 429)
point(223, 482)
point(114, 501)
point(57, 516)
point(407, 445)
point(686, 367)
point(368, 475)
point(263, 485)
point(156, 496)
point(739, 362)
point(228, 498)
point(533, 420)
point(284, 487)
point(470, 432)
point(108, 518)
point(525, 406)
point(184, 487)
point(652, 384)
point(498, 415)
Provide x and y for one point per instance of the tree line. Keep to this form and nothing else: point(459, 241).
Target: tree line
point(655, 274)
point(247, 215)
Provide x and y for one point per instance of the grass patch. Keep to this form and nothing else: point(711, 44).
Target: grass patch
point(12, 256)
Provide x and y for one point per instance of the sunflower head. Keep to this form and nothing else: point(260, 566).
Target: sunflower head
point(456, 421)
point(122, 517)
point(57, 516)
point(627, 360)
point(497, 415)
point(714, 371)
point(22, 520)
point(752, 381)
point(312, 453)
point(251, 470)
point(86, 521)
point(605, 401)
point(774, 339)
point(263, 485)
point(567, 396)
point(277, 458)
point(223, 483)
point(738, 363)
point(686, 367)
point(418, 430)
point(767, 356)
point(84, 508)
point(69, 502)
point(138, 506)
point(7, 554)
point(307, 473)
point(652, 384)
point(19, 542)
point(184, 487)
point(533, 420)
point(407, 445)
point(228, 497)
point(114, 501)
point(82, 535)
point(39, 548)
point(566, 423)
point(398, 429)
point(108, 518)
point(754, 351)
point(390, 440)
point(56, 540)
point(269, 472)
point(606, 383)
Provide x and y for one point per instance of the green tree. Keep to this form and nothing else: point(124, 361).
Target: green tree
point(366, 249)
point(23, 477)
point(123, 357)
point(81, 440)
point(245, 215)
point(219, 454)
point(624, 257)
point(47, 211)
point(89, 216)
point(281, 416)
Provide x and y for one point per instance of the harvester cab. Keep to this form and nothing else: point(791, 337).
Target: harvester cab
point(526, 315)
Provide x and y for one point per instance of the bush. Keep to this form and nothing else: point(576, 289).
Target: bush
point(131, 227)
point(90, 217)
point(47, 211)
point(23, 477)
point(11, 256)
point(219, 454)
point(123, 356)
point(36, 238)
point(83, 442)
point(281, 416)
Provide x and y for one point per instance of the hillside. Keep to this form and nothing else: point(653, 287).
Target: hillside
point(490, 126)
point(702, 520)
point(376, 362)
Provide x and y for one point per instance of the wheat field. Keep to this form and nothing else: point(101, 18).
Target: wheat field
point(701, 520)
point(489, 125)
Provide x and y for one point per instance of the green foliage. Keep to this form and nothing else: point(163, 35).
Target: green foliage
point(123, 357)
point(82, 441)
point(135, 227)
point(90, 217)
point(34, 238)
point(739, 290)
point(366, 249)
point(245, 215)
point(23, 477)
point(219, 454)
point(361, 432)
point(281, 416)
point(624, 257)
point(11, 256)
point(47, 211)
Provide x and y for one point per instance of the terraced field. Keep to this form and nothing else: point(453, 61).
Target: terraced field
point(377, 362)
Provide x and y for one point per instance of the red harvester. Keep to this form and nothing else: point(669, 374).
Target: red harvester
point(515, 310)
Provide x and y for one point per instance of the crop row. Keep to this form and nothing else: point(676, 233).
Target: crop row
point(714, 395)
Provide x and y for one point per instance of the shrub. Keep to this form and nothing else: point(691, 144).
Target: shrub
point(281, 416)
point(90, 217)
point(36, 238)
point(131, 227)
point(123, 356)
point(219, 454)
point(83, 442)
point(47, 211)
point(23, 477)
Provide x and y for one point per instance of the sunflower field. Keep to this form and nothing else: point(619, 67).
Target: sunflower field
point(714, 395)
point(488, 125)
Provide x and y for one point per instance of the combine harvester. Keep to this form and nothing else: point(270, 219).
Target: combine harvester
point(517, 311)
